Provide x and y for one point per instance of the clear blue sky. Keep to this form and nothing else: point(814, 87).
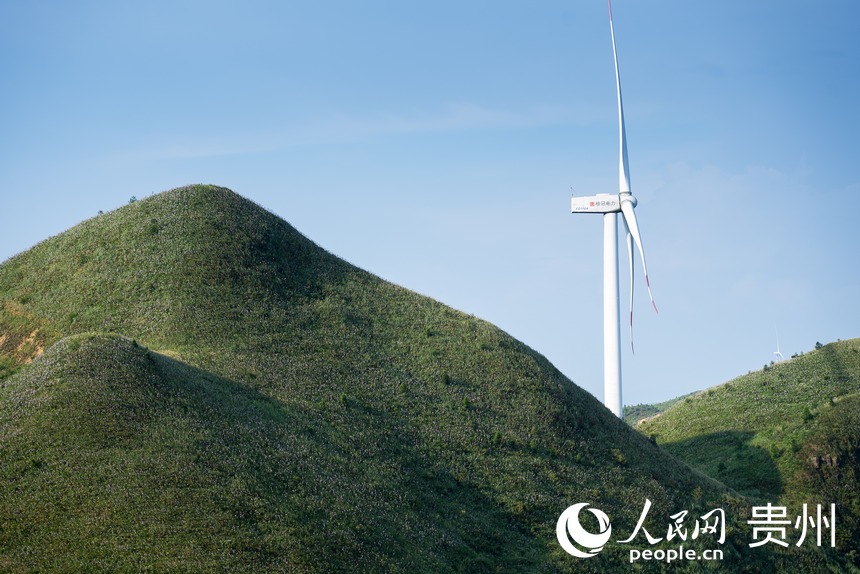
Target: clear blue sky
point(436, 144)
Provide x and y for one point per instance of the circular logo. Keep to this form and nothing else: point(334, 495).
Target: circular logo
point(568, 527)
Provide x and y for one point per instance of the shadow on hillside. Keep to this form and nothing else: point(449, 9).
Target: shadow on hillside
point(729, 457)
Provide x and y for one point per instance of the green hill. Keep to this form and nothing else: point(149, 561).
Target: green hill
point(633, 414)
point(790, 432)
point(189, 384)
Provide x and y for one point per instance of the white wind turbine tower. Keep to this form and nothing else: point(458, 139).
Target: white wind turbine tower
point(610, 205)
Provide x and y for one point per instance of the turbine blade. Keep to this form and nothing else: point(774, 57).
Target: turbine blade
point(630, 273)
point(633, 226)
point(623, 165)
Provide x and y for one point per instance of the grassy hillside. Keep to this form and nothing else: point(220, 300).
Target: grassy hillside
point(190, 384)
point(176, 466)
point(788, 433)
point(633, 414)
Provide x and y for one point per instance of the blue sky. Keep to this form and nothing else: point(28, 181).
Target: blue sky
point(436, 145)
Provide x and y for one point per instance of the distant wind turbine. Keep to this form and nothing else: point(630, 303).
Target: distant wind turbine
point(610, 205)
point(778, 355)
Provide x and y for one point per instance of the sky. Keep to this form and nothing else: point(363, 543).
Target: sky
point(437, 144)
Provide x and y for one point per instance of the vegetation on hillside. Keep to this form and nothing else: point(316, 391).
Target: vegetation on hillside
point(787, 434)
point(633, 414)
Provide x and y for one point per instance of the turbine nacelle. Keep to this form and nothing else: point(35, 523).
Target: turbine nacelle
point(600, 203)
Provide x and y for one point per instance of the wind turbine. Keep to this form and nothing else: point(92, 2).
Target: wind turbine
point(778, 355)
point(610, 205)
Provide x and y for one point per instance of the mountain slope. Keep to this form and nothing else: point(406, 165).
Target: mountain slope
point(633, 414)
point(167, 452)
point(189, 383)
point(788, 433)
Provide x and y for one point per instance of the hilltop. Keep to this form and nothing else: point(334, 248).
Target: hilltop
point(788, 432)
point(188, 383)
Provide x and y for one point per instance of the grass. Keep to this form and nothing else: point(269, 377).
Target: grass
point(633, 414)
point(174, 465)
point(188, 383)
point(787, 433)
